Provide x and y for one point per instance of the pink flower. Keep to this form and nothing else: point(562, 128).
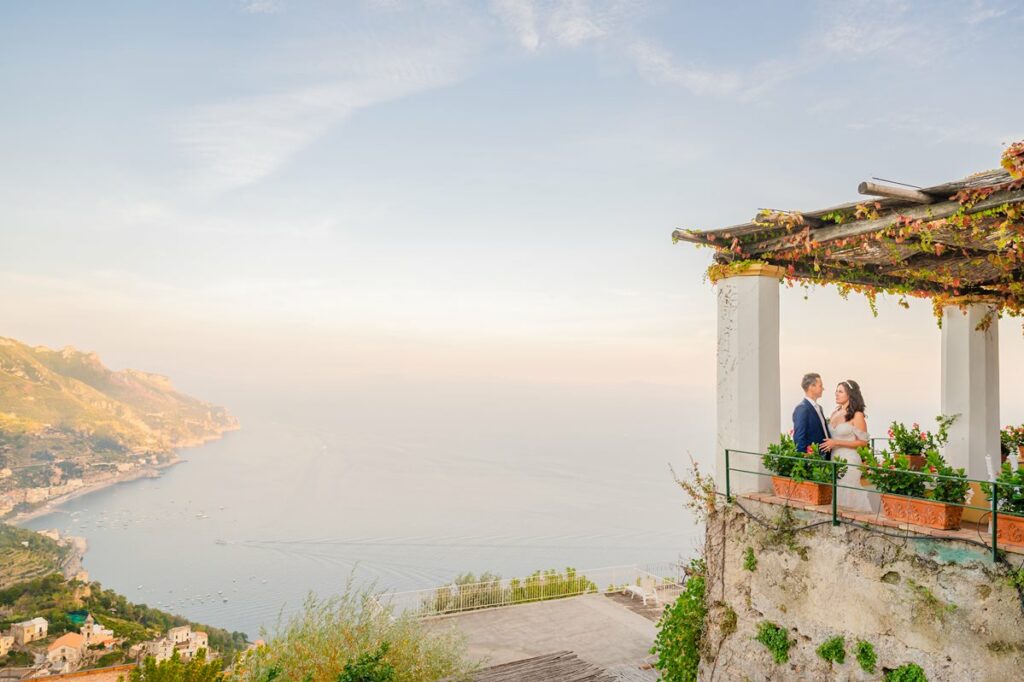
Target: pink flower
point(891, 434)
point(810, 449)
point(924, 436)
point(791, 432)
point(917, 427)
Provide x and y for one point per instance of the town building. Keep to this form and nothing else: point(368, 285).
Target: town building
point(29, 631)
point(94, 633)
point(182, 639)
point(6, 642)
point(66, 651)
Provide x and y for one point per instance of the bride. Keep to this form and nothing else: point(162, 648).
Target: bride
point(849, 432)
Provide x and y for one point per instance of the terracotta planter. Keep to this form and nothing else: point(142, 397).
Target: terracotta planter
point(802, 491)
point(1020, 451)
point(916, 462)
point(1010, 529)
point(922, 512)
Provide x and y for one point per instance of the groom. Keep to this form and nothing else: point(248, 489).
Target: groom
point(809, 423)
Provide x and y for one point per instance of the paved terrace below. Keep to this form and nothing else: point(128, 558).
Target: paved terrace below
point(970, 532)
point(608, 631)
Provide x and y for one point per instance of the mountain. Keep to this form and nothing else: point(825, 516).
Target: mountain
point(65, 405)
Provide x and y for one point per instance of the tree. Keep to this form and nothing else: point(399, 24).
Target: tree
point(176, 670)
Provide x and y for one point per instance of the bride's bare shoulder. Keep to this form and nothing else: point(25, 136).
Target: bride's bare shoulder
point(859, 421)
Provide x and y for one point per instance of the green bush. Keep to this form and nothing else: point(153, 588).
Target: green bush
point(910, 672)
point(833, 650)
point(775, 639)
point(329, 636)
point(681, 629)
point(749, 560)
point(176, 670)
point(865, 654)
point(478, 592)
point(782, 459)
point(369, 667)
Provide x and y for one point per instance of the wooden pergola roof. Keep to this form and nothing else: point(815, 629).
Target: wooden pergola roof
point(961, 240)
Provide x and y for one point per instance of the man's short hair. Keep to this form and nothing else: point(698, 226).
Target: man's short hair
point(809, 380)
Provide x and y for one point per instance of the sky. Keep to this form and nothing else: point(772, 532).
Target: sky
point(253, 194)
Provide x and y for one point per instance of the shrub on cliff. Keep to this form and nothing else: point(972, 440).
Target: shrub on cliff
point(681, 629)
point(176, 670)
point(334, 639)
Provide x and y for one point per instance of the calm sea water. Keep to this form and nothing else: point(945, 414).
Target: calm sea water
point(406, 491)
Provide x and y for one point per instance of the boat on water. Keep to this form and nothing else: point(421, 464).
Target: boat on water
point(218, 541)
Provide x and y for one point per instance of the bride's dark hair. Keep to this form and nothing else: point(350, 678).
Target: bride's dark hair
point(856, 402)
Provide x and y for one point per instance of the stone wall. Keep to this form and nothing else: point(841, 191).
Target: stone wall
point(942, 605)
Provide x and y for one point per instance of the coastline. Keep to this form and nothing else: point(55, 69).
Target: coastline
point(50, 506)
point(148, 471)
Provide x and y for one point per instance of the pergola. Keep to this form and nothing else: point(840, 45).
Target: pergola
point(960, 243)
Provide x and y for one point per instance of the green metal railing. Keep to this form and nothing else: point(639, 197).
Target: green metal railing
point(992, 509)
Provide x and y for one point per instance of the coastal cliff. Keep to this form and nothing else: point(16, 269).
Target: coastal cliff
point(68, 423)
point(775, 596)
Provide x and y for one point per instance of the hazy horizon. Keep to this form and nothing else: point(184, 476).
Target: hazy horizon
point(276, 202)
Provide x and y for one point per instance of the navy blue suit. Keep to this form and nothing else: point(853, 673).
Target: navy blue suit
point(807, 428)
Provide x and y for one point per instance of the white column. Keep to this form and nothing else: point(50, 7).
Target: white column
point(970, 386)
point(748, 372)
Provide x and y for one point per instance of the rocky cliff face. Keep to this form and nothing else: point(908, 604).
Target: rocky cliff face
point(59, 403)
point(942, 605)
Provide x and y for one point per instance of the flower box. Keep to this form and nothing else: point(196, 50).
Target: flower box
point(1010, 529)
point(922, 512)
point(802, 491)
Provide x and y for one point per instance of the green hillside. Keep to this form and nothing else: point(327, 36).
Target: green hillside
point(66, 405)
point(25, 554)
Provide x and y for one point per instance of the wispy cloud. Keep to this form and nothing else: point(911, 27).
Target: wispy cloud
point(242, 141)
point(262, 6)
point(658, 66)
point(570, 23)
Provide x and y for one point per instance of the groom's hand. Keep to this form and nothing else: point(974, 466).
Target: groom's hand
point(827, 445)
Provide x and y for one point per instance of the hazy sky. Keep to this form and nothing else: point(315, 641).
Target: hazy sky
point(278, 190)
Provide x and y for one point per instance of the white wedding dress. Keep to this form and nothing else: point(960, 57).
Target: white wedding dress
point(853, 497)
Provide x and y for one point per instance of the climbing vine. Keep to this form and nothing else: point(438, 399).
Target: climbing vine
point(976, 254)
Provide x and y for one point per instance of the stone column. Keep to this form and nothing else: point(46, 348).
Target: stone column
point(970, 387)
point(748, 372)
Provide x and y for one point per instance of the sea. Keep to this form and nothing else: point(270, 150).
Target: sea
point(398, 490)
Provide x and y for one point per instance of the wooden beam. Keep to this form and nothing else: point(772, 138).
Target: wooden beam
point(876, 190)
point(861, 227)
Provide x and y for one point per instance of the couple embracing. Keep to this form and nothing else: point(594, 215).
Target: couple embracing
point(837, 436)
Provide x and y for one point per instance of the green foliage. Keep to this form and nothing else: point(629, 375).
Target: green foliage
point(782, 533)
point(775, 639)
point(53, 598)
point(915, 441)
point(681, 629)
point(865, 655)
point(477, 592)
point(782, 459)
point(891, 473)
point(749, 560)
point(369, 667)
point(26, 555)
point(16, 659)
point(947, 484)
point(108, 659)
point(910, 672)
point(319, 642)
point(1010, 485)
point(176, 670)
point(833, 650)
point(1011, 438)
